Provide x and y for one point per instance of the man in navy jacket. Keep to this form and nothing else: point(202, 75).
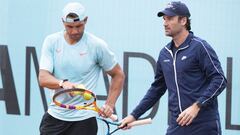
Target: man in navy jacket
point(189, 69)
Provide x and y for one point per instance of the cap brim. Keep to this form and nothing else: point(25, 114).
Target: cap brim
point(166, 12)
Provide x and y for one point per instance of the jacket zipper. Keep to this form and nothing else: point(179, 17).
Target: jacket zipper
point(175, 74)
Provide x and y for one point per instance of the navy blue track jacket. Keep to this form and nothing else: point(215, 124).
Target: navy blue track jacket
point(193, 74)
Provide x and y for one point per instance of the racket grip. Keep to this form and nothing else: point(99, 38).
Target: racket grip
point(141, 122)
point(113, 117)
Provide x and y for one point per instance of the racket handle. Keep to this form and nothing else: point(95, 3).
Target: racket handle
point(140, 122)
point(113, 117)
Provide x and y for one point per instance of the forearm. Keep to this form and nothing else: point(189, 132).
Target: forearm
point(116, 85)
point(148, 101)
point(211, 67)
point(215, 88)
point(115, 89)
point(46, 79)
point(157, 89)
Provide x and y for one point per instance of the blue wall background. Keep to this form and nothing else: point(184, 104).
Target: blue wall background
point(127, 26)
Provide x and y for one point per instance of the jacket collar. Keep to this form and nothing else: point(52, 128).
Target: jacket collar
point(184, 44)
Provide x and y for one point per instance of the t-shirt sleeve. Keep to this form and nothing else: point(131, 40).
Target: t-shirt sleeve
point(106, 58)
point(46, 60)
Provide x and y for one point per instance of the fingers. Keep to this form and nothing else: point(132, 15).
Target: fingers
point(185, 119)
point(79, 86)
point(125, 126)
point(189, 122)
point(68, 85)
point(188, 115)
point(125, 122)
point(106, 111)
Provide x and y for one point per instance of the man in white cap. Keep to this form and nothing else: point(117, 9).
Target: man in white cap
point(72, 57)
point(189, 69)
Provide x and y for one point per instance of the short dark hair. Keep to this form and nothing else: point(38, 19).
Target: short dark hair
point(72, 15)
point(188, 24)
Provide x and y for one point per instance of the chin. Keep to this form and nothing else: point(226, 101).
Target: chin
point(168, 34)
point(75, 37)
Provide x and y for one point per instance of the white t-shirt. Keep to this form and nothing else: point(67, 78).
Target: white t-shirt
point(80, 63)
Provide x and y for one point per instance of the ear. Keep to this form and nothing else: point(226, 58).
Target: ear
point(184, 20)
point(85, 19)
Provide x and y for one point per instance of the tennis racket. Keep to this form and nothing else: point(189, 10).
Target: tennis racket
point(82, 99)
point(104, 126)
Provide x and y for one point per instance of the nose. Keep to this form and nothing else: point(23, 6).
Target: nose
point(75, 31)
point(164, 23)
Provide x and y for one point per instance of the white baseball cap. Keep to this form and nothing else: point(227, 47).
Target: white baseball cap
point(73, 7)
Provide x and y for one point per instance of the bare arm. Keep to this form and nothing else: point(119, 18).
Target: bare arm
point(115, 88)
point(46, 79)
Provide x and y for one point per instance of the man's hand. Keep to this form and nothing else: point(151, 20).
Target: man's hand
point(68, 85)
point(187, 116)
point(106, 110)
point(124, 123)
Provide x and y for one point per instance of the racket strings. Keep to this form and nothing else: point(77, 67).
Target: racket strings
point(105, 126)
point(75, 99)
